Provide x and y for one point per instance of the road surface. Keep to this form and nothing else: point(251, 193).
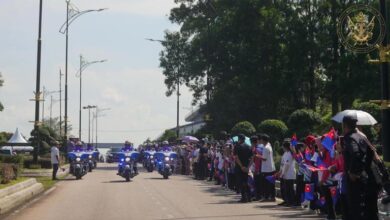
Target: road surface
point(104, 195)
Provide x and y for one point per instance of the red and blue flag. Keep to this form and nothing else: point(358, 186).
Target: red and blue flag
point(329, 141)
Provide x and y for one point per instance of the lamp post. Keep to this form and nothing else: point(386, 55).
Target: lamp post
point(38, 85)
point(72, 13)
point(96, 116)
point(83, 65)
point(89, 107)
point(177, 93)
point(60, 103)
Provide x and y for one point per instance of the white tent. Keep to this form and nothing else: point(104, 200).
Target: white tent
point(19, 139)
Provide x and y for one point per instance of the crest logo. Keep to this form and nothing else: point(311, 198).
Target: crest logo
point(361, 28)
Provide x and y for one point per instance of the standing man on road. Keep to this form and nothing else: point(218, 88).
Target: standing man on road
point(267, 169)
point(362, 190)
point(243, 157)
point(55, 159)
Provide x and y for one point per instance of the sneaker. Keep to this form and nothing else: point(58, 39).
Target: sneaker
point(283, 204)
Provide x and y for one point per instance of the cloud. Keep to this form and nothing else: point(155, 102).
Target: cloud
point(112, 94)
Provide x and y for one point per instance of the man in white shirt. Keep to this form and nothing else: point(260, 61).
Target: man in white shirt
point(267, 168)
point(55, 159)
point(287, 175)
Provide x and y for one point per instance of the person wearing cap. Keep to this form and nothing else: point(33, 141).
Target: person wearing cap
point(243, 158)
point(55, 158)
point(362, 191)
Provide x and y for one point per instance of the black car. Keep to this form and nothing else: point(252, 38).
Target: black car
point(112, 155)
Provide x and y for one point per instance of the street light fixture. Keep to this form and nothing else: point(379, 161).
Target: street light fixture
point(89, 107)
point(72, 13)
point(83, 65)
point(96, 116)
point(177, 93)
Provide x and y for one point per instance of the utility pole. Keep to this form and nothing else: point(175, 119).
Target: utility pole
point(38, 85)
point(385, 93)
point(61, 103)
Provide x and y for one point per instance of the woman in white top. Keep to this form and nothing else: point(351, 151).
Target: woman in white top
point(287, 175)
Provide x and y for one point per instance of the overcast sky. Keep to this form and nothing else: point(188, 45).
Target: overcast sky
point(130, 83)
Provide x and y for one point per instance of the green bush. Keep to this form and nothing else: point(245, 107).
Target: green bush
point(304, 122)
point(17, 160)
point(44, 163)
point(276, 129)
point(244, 127)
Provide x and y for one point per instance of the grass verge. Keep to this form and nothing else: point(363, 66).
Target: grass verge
point(13, 182)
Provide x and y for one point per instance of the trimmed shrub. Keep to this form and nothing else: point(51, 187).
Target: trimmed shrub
point(244, 127)
point(304, 122)
point(276, 129)
point(8, 172)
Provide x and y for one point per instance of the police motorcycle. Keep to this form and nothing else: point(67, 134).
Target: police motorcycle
point(149, 162)
point(127, 166)
point(93, 157)
point(78, 159)
point(165, 162)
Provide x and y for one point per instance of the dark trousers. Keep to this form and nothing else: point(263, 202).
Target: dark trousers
point(55, 169)
point(269, 188)
point(258, 186)
point(330, 208)
point(287, 191)
point(202, 166)
point(243, 185)
point(231, 181)
point(300, 189)
point(362, 201)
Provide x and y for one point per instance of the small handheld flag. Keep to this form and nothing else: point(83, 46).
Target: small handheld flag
point(329, 141)
point(294, 140)
point(271, 179)
point(309, 192)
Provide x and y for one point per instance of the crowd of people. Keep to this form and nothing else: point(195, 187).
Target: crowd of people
point(332, 174)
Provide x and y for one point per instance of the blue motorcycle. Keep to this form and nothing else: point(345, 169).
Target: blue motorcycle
point(78, 163)
point(127, 167)
point(149, 163)
point(165, 163)
point(93, 157)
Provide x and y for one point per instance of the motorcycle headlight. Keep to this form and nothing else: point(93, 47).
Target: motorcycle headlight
point(78, 159)
point(151, 157)
point(90, 156)
point(127, 159)
point(171, 158)
point(122, 159)
point(166, 158)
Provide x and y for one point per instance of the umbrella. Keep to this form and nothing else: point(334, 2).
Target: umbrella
point(247, 140)
point(190, 139)
point(363, 117)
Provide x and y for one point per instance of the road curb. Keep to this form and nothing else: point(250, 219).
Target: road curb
point(18, 194)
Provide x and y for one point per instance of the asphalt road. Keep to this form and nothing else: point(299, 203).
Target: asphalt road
point(104, 195)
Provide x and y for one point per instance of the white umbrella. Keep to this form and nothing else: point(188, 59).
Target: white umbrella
point(363, 117)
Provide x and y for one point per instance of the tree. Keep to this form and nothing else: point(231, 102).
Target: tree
point(54, 125)
point(264, 59)
point(168, 135)
point(4, 137)
point(1, 84)
point(244, 127)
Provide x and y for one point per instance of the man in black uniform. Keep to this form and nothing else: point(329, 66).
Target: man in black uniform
point(202, 163)
point(362, 190)
point(243, 156)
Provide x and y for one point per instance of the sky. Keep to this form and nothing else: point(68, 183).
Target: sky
point(130, 83)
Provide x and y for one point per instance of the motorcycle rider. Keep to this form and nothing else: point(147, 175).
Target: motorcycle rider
point(127, 148)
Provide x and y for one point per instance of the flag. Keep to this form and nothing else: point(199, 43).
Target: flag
point(298, 157)
point(334, 193)
point(321, 202)
point(329, 141)
point(294, 140)
point(271, 179)
point(309, 192)
point(308, 154)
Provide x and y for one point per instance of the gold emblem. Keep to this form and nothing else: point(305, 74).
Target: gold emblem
point(361, 28)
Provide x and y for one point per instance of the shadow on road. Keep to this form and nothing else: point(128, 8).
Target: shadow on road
point(116, 181)
point(218, 216)
point(155, 178)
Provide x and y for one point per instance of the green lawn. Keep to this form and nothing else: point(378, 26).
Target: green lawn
point(13, 182)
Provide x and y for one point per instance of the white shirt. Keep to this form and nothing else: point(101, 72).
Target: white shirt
point(287, 167)
point(220, 160)
point(268, 164)
point(54, 154)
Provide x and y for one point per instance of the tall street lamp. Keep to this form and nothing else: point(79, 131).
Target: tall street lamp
point(96, 116)
point(89, 107)
point(83, 65)
point(38, 85)
point(72, 13)
point(177, 94)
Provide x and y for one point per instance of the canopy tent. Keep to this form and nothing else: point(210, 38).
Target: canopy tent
point(17, 138)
